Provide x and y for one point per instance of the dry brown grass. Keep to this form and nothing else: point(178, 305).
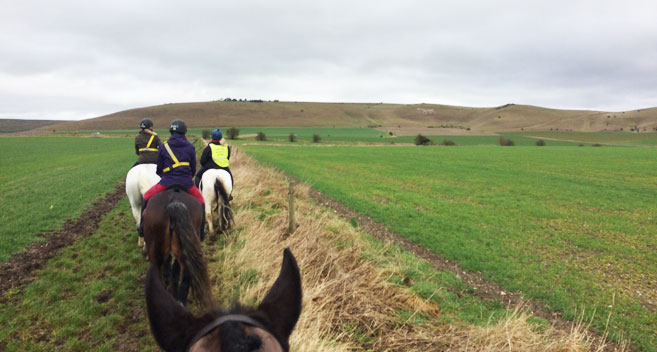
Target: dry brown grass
point(348, 304)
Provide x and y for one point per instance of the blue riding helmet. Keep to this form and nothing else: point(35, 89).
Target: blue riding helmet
point(216, 134)
point(178, 126)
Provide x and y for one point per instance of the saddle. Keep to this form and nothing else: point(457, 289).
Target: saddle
point(176, 187)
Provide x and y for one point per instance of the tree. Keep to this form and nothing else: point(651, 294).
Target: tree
point(233, 132)
point(422, 140)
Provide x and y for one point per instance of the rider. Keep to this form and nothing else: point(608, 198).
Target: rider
point(176, 164)
point(215, 156)
point(146, 143)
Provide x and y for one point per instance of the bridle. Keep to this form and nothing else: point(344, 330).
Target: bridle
point(239, 318)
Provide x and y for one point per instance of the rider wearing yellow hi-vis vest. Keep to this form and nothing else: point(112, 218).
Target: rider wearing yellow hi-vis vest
point(146, 143)
point(215, 156)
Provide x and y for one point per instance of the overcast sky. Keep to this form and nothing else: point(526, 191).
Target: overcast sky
point(80, 59)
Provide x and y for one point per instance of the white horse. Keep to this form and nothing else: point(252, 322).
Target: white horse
point(139, 179)
point(216, 187)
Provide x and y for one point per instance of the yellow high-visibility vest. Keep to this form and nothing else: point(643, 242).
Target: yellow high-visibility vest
point(219, 154)
point(148, 146)
point(176, 163)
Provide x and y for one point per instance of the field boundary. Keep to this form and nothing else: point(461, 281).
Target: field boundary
point(483, 288)
point(18, 271)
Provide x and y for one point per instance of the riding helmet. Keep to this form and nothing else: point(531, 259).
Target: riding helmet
point(178, 126)
point(146, 123)
point(217, 135)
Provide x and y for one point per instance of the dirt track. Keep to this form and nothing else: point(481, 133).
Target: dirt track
point(19, 269)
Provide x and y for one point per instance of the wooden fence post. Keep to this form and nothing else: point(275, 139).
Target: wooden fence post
point(292, 219)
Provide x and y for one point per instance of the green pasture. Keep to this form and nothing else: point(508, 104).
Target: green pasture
point(304, 135)
point(572, 227)
point(616, 138)
point(44, 181)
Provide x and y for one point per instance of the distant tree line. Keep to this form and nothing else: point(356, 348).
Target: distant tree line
point(249, 100)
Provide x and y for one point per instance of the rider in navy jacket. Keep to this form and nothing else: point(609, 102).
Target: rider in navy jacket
point(184, 151)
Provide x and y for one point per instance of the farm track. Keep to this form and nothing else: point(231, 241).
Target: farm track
point(483, 288)
point(19, 270)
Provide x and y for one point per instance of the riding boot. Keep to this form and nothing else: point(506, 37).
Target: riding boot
point(202, 234)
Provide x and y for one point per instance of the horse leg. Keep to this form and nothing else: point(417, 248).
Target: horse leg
point(208, 218)
point(174, 280)
point(183, 289)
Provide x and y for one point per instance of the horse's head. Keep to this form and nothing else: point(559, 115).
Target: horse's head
point(265, 328)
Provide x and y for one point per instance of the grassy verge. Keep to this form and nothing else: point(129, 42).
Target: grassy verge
point(569, 226)
point(88, 298)
point(44, 181)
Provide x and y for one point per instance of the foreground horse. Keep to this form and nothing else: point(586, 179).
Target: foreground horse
point(139, 179)
point(216, 187)
point(266, 328)
point(172, 222)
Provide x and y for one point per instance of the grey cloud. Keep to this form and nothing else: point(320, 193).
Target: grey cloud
point(112, 56)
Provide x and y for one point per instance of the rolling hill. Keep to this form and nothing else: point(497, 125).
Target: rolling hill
point(13, 125)
point(509, 117)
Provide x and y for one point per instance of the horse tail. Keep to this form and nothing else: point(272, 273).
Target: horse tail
point(192, 252)
point(226, 213)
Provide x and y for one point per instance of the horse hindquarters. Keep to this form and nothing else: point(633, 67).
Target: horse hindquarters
point(134, 196)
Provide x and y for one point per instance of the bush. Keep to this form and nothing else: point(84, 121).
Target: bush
point(448, 142)
point(540, 142)
point(316, 138)
point(422, 140)
point(506, 142)
point(233, 133)
point(205, 134)
point(292, 137)
point(597, 145)
point(261, 136)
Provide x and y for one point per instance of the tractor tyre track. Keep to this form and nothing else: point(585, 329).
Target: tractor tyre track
point(20, 269)
point(482, 288)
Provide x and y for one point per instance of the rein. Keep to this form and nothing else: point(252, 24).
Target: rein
point(224, 319)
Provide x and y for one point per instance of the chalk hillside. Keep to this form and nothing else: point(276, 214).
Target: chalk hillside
point(509, 117)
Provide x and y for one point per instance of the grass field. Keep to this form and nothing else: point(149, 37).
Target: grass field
point(617, 138)
point(58, 313)
point(107, 312)
point(44, 181)
point(573, 227)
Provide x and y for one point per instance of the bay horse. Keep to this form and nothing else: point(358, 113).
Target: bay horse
point(139, 179)
point(216, 186)
point(172, 222)
point(265, 328)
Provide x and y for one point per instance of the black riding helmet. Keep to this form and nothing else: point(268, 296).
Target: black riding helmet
point(146, 123)
point(178, 126)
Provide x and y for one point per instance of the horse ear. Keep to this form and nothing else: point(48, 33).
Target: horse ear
point(282, 304)
point(172, 325)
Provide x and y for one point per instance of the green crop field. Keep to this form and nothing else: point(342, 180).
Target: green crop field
point(44, 181)
point(617, 138)
point(572, 227)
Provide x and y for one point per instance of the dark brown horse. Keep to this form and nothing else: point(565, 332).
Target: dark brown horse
point(266, 328)
point(172, 223)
